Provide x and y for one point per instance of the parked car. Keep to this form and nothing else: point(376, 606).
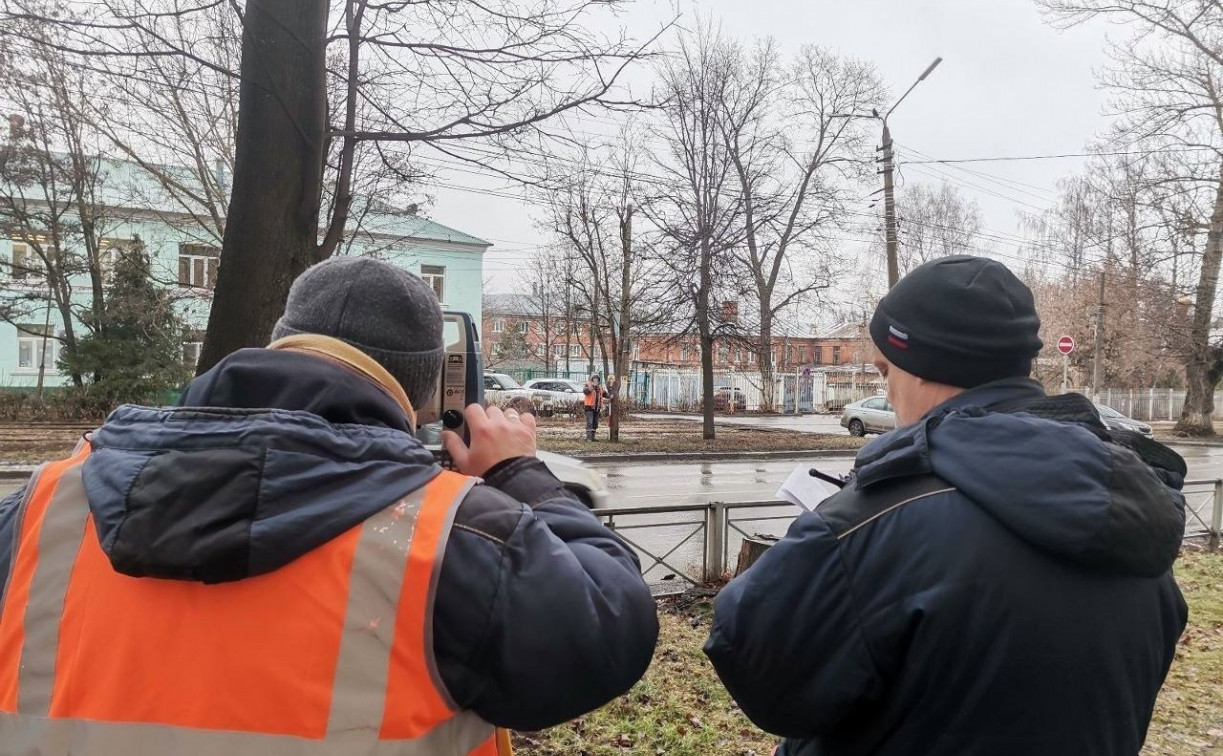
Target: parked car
point(564, 391)
point(728, 399)
point(503, 391)
point(559, 390)
point(873, 415)
point(1114, 420)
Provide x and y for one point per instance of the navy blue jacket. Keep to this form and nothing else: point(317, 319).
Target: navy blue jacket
point(541, 612)
point(1021, 602)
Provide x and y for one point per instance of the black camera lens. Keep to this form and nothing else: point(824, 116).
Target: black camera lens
point(452, 419)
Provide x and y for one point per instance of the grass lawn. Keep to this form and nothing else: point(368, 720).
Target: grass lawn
point(680, 709)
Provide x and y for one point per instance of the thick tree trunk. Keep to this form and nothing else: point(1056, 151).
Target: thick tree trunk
point(272, 225)
point(1201, 367)
point(751, 550)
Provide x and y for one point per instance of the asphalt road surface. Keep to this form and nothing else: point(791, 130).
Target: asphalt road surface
point(678, 538)
point(647, 485)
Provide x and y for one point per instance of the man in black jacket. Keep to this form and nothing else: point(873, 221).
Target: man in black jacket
point(540, 613)
point(994, 578)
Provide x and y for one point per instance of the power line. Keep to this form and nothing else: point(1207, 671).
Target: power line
point(1164, 151)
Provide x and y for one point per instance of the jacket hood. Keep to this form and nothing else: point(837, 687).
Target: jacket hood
point(216, 494)
point(1050, 472)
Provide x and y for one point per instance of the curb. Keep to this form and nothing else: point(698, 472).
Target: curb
point(1191, 442)
point(713, 456)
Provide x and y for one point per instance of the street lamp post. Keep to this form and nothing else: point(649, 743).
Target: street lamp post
point(889, 190)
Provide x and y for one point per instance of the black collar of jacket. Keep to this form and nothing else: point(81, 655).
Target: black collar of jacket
point(906, 452)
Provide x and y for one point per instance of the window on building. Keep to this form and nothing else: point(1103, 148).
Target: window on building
point(751, 357)
point(25, 263)
point(36, 346)
point(802, 355)
point(723, 353)
point(637, 351)
point(524, 326)
point(789, 354)
point(435, 276)
point(836, 355)
point(575, 350)
point(109, 251)
point(558, 351)
point(738, 355)
point(817, 355)
point(197, 266)
point(684, 353)
point(498, 325)
point(192, 348)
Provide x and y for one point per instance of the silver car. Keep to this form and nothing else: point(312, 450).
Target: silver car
point(873, 415)
point(1114, 420)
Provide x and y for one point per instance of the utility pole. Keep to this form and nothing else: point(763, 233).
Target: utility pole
point(889, 207)
point(889, 191)
point(1099, 348)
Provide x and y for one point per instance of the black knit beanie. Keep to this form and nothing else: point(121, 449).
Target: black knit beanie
point(961, 321)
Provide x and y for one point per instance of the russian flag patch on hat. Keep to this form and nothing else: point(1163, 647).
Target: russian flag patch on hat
point(897, 338)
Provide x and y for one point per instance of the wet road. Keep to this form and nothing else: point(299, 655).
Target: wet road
point(679, 538)
point(647, 484)
point(644, 485)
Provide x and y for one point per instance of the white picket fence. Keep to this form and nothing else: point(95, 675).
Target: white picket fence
point(1151, 405)
point(794, 393)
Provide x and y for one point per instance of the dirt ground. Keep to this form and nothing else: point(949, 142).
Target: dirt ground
point(680, 436)
point(33, 443)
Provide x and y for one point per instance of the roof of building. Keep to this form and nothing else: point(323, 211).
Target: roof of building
point(508, 304)
point(842, 331)
point(409, 226)
point(125, 184)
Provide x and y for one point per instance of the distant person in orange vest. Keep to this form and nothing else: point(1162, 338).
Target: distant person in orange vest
point(595, 395)
point(279, 567)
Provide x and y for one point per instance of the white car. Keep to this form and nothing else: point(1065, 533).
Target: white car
point(501, 390)
point(563, 395)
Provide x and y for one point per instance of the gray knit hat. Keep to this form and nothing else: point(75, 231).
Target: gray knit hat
point(383, 310)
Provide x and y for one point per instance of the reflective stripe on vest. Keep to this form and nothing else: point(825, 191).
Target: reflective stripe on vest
point(330, 654)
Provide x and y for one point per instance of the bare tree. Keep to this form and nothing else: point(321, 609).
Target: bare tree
point(544, 283)
point(936, 223)
point(594, 199)
point(697, 208)
point(1167, 80)
point(797, 138)
point(432, 74)
point(51, 178)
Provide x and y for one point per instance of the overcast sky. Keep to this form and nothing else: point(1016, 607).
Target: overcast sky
point(1010, 85)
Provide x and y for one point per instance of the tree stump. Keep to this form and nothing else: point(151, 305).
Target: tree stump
point(752, 549)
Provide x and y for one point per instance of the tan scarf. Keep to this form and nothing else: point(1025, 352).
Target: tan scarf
point(348, 356)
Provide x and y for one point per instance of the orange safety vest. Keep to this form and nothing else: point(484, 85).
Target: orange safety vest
point(330, 654)
point(591, 400)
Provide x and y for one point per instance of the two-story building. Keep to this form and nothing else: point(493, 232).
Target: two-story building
point(518, 336)
point(184, 260)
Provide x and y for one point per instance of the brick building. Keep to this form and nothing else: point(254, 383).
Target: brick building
point(516, 335)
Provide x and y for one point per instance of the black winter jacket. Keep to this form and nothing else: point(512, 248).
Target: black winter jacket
point(996, 581)
point(541, 612)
